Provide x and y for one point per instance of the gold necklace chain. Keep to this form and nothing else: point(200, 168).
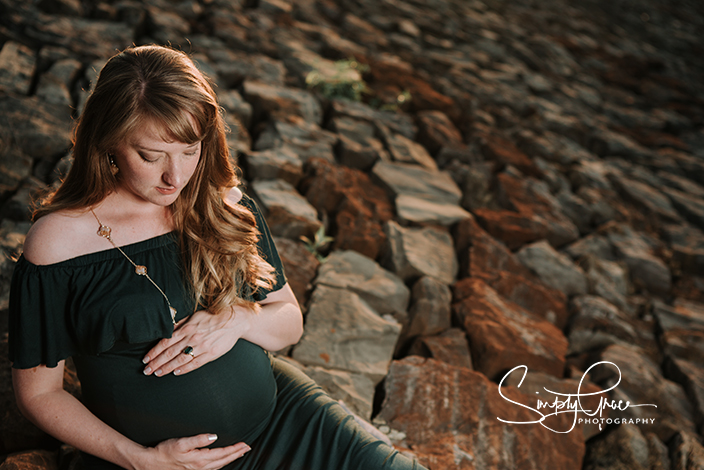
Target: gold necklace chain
point(105, 232)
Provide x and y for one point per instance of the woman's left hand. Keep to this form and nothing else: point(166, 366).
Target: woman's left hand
point(210, 336)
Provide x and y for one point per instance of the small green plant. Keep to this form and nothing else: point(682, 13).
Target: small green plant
point(341, 81)
point(319, 242)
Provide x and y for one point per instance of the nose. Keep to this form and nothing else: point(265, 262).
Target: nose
point(173, 174)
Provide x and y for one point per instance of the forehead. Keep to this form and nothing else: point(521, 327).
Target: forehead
point(150, 131)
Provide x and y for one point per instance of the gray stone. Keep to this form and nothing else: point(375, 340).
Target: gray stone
point(234, 104)
point(354, 339)
point(85, 37)
point(553, 268)
point(642, 383)
point(410, 258)
point(167, 26)
point(40, 130)
point(356, 390)
point(12, 235)
point(277, 163)
point(607, 279)
point(681, 329)
point(233, 68)
point(287, 212)
point(56, 83)
point(304, 138)
point(14, 167)
point(384, 291)
point(646, 197)
point(361, 155)
point(412, 180)
point(404, 150)
point(605, 142)
point(17, 65)
point(596, 323)
point(397, 122)
point(624, 447)
point(680, 183)
point(686, 452)
point(690, 206)
point(687, 244)
point(646, 270)
point(421, 196)
point(278, 101)
point(576, 209)
point(354, 129)
point(430, 308)
point(309, 67)
point(594, 244)
point(593, 174)
point(691, 377)
point(410, 208)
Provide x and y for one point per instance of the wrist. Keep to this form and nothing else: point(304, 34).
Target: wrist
point(138, 457)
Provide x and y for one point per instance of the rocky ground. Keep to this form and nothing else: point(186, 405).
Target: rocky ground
point(507, 183)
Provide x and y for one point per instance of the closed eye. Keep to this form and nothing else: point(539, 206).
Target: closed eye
point(147, 159)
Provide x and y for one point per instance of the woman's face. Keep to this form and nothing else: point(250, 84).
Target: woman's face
point(153, 169)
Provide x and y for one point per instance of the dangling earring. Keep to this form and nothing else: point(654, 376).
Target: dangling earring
point(113, 167)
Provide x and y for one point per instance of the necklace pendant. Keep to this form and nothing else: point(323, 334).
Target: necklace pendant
point(104, 231)
point(141, 270)
point(173, 314)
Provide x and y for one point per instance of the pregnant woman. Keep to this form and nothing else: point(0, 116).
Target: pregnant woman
point(160, 279)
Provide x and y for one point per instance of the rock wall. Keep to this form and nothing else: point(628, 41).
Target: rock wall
point(505, 183)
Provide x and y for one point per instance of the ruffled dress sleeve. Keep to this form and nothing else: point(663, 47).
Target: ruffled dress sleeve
point(39, 329)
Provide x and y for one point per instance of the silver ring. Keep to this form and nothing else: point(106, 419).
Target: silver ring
point(188, 350)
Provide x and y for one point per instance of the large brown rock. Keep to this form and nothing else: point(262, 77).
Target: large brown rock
point(531, 197)
point(486, 258)
point(358, 207)
point(512, 228)
point(502, 335)
point(300, 266)
point(449, 415)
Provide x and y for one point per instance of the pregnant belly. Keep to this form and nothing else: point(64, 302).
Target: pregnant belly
point(233, 396)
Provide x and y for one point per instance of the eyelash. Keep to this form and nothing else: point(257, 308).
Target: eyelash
point(146, 159)
point(189, 154)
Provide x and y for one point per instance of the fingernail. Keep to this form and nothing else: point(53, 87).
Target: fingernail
point(158, 372)
point(212, 437)
point(147, 370)
point(247, 449)
point(145, 360)
point(177, 371)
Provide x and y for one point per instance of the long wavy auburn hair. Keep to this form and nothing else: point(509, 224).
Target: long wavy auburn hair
point(218, 242)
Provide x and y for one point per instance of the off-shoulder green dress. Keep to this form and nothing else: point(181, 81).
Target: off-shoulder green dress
point(95, 309)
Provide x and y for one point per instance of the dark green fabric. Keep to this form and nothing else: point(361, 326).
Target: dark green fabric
point(97, 310)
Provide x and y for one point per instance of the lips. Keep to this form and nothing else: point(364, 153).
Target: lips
point(166, 191)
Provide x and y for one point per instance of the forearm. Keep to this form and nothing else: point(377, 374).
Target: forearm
point(61, 415)
point(277, 325)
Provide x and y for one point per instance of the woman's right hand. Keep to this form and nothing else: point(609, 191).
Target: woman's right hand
point(190, 453)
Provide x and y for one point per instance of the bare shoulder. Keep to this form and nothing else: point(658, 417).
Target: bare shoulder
point(233, 196)
point(57, 237)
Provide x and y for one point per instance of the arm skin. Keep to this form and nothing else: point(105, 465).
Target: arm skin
point(42, 399)
point(278, 324)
